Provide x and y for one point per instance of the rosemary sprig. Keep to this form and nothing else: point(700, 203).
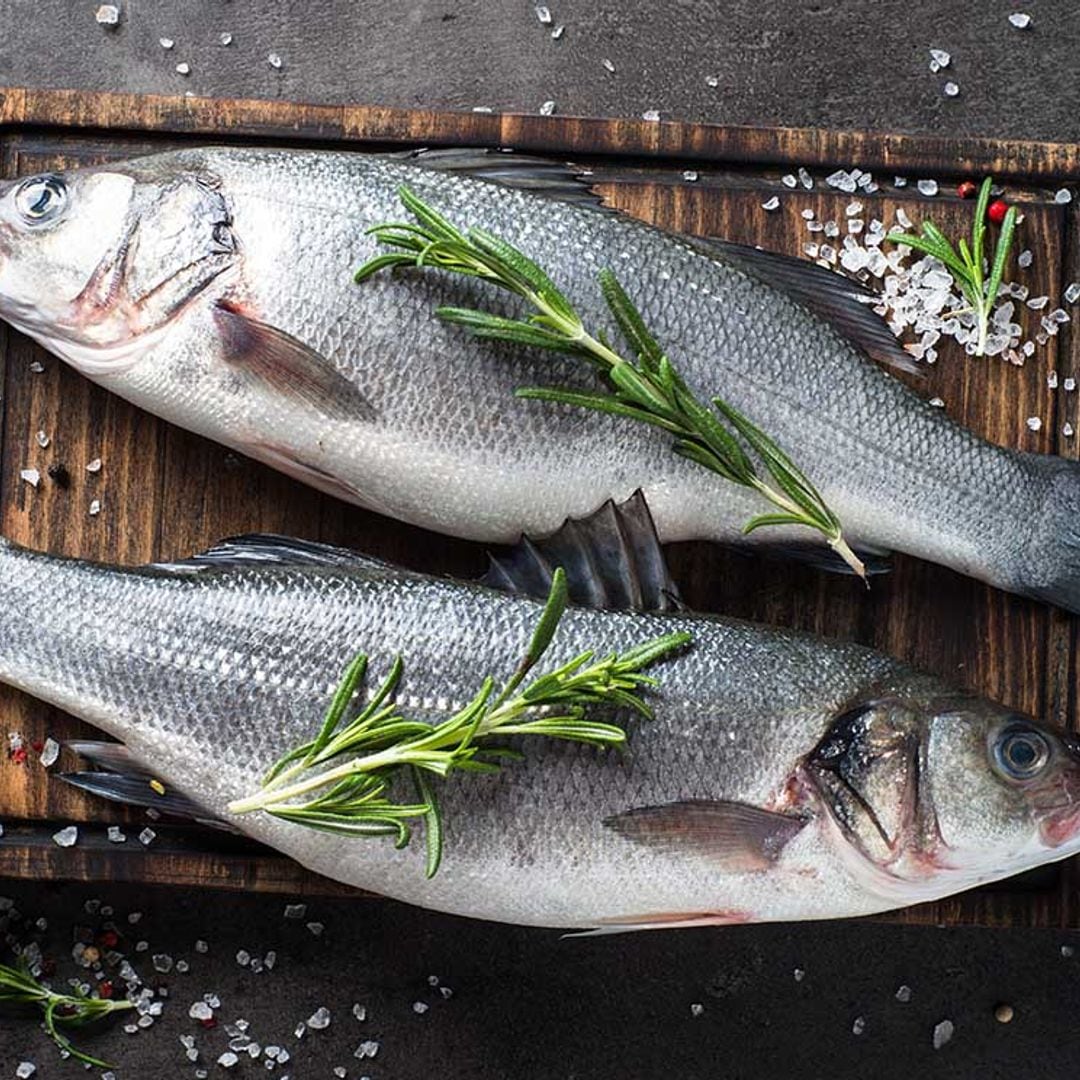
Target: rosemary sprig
point(19, 987)
point(967, 263)
point(649, 390)
point(341, 781)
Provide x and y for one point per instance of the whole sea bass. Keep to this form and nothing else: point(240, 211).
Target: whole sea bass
point(214, 288)
point(783, 777)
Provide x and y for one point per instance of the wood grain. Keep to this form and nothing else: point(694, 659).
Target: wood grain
point(165, 492)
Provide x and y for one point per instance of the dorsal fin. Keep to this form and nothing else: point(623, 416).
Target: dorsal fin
point(612, 559)
point(262, 549)
point(549, 178)
point(841, 301)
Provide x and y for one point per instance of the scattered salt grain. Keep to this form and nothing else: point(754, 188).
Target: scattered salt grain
point(652, 115)
point(689, 175)
point(227, 1060)
point(243, 958)
point(927, 187)
point(163, 963)
point(712, 81)
point(274, 60)
point(446, 992)
point(789, 180)
point(1037, 303)
point(1052, 380)
point(225, 39)
point(1020, 19)
point(319, 1019)
point(842, 181)
point(771, 204)
point(943, 1032)
point(25, 1069)
point(608, 65)
point(858, 1025)
point(853, 208)
point(807, 214)
point(1062, 196)
point(1034, 423)
point(806, 179)
point(547, 108)
point(359, 1011)
point(341, 1072)
point(1024, 259)
point(66, 837)
point(899, 181)
point(147, 837)
point(295, 911)
point(1069, 384)
point(116, 835)
point(936, 403)
point(166, 42)
point(367, 1049)
point(94, 466)
point(270, 960)
point(543, 14)
point(798, 974)
point(939, 57)
point(183, 68)
point(1067, 951)
point(31, 476)
point(50, 752)
point(697, 1009)
point(420, 1007)
point(558, 32)
point(1067, 430)
point(95, 507)
point(37, 367)
point(316, 928)
point(951, 89)
point(903, 994)
point(107, 15)
point(43, 439)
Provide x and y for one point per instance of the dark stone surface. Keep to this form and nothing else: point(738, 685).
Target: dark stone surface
point(527, 1004)
point(837, 63)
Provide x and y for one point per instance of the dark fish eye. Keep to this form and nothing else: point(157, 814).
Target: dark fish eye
point(1021, 753)
point(41, 198)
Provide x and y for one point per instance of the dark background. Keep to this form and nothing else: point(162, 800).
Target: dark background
point(527, 1003)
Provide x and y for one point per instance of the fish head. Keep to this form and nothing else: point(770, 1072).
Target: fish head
point(933, 792)
point(97, 263)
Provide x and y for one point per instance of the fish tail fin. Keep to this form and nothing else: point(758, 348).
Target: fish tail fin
point(1050, 570)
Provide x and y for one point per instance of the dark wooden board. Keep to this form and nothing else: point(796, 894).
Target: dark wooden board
point(165, 493)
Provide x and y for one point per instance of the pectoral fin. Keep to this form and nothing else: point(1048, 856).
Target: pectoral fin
point(738, 837)
point(285, 366)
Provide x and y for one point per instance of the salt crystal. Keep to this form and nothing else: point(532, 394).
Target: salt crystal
point(806, 179)
point(547, 108)
point(95, 507)
point(319, 1019)
point(42, 439)
point(94, 466)
point(295, 911)
point(798, 974)
point(558, 32)
point(807, 214)
point(940, 57)
point(858, 1025)
point(147, 836)
point(771, 204)
point(183, 967)
point(903, 994)
point(853, 208)
point(446, 992)
point(937, 403)
point(227, 1060)
point(1058, 315)
point(183, 68)
point(25, 1069)
point(899, 181)
point(713, 81)
point(243, 958)
point(162, 962)
point(1037, 303)
point(50, 752)
point(1069, 384)
point(608, 65)
point(927, 187)
point(1034, 423)
point(367, 1049)
point(274, 60)
point(66, 837)
point(543, 14)
point(689, 175)
point(1067, 951)
point(696, 1008)
point(841, 180)
point(359, 1011)
point(270, 960)
point(225, 39)
point(316, 928)
point(1052, 380)
point(943, 1032)
point(831, 229)
point(902, 217)
point(37, 367)
point(828, 253)
point(652, 115)
point(951, 89)
point(106, 15)
point(1020, 19)
point(31, 476)
point(1067, 430)
point(166, 43)
point(340, 1071)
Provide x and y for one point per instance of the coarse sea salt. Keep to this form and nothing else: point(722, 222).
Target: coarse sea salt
point(50, 752)
point(107, 15)
point(927, 187)
point(943, 1032)
point(1062, 196)
point(1034, 423)
point(66, 837)
point(1020, 19)
point(951, 89)
point(771, 204)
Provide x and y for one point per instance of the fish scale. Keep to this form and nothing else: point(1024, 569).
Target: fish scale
point(210, 671)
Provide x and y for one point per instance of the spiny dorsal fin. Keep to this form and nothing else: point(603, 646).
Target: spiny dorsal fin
point(612, 559)
point(541, 176)
point(841, 301)
point(266, 549)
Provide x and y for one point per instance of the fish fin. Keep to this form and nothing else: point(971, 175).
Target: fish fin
point(112, 756)
point(844, 303)
point(286, 366)
point(265, 549)
point(736, 835)
point(664, 921)
point(547, 177)
point(612, 559)
point(137, 790)
point(822, 557)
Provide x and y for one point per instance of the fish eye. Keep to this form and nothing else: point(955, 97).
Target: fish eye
point(1021, 753)
point(41, 199)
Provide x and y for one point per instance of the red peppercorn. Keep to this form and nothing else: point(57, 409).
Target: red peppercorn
point(209, 1022)
point(38, 746)
point(19, 755)
point(105, 989)
point(109, 938)
point(966, 190)
point(996, 211)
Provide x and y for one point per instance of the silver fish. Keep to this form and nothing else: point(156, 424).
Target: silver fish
point(783, 777)
point(214, 288)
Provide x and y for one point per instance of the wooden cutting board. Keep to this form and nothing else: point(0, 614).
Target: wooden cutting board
point(165, 493)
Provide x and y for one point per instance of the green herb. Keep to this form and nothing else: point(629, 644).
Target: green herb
point(649, 390)
point(968, 265)
point(19, 987)
point(341, 781)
